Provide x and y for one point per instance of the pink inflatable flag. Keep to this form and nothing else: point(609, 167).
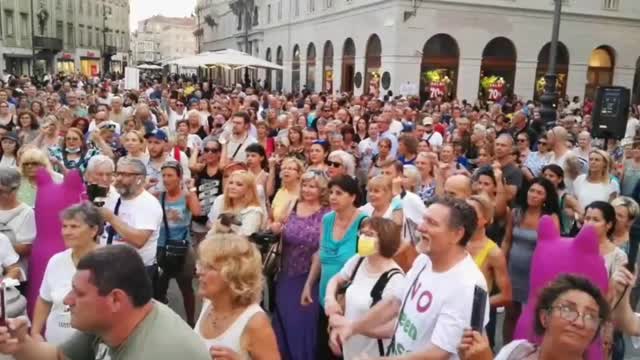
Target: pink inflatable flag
point(51, 199)
point(554, 256)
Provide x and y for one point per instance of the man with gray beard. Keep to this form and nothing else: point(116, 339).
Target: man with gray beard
point(133, 218)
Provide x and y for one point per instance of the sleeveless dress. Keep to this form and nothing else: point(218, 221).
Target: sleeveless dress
point(231, 337)
point(296, 325)
point(523, 244)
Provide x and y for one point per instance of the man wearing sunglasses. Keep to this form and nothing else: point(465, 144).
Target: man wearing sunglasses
point(133, 218)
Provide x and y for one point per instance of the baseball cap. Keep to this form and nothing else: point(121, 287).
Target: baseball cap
point(11, 136)
point(158, 134)
point(427, 121)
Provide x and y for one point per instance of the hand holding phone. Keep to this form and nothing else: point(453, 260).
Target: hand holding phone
point(478, 309)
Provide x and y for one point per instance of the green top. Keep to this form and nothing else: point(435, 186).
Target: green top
point(162, 335)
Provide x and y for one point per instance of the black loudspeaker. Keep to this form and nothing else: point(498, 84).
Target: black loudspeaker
point(611, 112)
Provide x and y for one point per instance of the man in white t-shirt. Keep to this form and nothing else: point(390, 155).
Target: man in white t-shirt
point(433, 137)
point(435, 303)
point(138, 217)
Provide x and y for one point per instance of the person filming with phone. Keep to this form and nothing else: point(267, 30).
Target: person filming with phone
point(135, 216)
point(111, 307)
point(426, 316)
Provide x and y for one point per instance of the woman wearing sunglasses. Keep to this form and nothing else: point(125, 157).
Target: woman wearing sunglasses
point(205, 165)
point(341, 163)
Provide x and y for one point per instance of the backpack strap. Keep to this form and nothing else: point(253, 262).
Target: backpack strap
point(163, 196)
point(376, 296)
point(111, 233)
point(355, 269)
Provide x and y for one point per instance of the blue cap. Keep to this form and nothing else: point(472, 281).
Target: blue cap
point(158, 134)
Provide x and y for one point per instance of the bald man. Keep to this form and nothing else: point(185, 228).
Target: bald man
point(458, 186)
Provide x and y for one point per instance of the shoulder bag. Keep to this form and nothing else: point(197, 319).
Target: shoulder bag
point(172, 255)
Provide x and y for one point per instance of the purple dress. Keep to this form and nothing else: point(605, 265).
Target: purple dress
point(295, 325)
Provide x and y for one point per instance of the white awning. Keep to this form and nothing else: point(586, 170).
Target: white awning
point(228, 58)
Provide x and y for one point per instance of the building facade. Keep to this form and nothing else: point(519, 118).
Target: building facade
point(161, 38)
point(64, 35)
point(454, 48)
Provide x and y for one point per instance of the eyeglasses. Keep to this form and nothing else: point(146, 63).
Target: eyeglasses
point(126, 174)
point(211, 150)
point(334, 164)
point(570, 314)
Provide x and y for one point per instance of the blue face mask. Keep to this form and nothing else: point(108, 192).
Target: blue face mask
point(73, 150)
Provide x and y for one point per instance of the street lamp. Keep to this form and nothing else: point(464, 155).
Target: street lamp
point(549, 98)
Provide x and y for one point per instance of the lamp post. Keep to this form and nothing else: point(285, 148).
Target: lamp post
point(549, 98)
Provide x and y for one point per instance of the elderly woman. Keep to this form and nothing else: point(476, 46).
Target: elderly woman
point(296, 324)
point(31, 159)
point(17, 218)
point(73, 154)
point(341, 163)
point(627, 211)
point(232, 325)
point(562, 305)
point(81, 226)
point(290, 172)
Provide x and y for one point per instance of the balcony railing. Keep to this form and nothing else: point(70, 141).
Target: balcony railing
point(48, 43)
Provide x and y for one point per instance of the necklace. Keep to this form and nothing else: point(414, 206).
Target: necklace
point(217, 319)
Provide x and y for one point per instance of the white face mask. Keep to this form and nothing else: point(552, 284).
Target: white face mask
point(73, 150)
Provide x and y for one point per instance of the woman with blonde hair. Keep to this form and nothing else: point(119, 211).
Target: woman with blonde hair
point(232, 325)
point(295, 324)
point(425, 163)
point(136, 147)
point(381, 200)
point(627, 211)
point(32, 159)
point(291, 171)
point(240, 199)
point(597, 184)
point(49, 136)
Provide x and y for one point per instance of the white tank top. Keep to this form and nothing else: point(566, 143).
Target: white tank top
point(231, 337)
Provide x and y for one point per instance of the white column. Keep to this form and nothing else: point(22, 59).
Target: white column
point(525, 79)
point(468, 79)
point(403, 70)
point(577, 80)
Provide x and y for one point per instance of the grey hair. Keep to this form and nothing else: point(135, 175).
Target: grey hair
point(346, 159)
point(10, 178)
point(137, 164)
point(413, 174)
point(87, 213)
point(98, 161)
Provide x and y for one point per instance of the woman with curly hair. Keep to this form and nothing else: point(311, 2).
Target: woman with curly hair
point(232, 324)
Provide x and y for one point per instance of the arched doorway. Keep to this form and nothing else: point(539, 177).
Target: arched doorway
point(311, 67)
point(636, 85)
point(327, 68)
point(600, 71)
point(498, 69)
point(279, 61)
point(372, 65)
point(267, 79)
point(562, 70)
point(348, 65)
point(295, 69)
point(439, 68)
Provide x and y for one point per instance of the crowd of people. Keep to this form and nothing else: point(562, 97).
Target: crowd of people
point(308, 226)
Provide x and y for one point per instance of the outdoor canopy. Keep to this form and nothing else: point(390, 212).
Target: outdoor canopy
point(228, 58)
point(149, 67)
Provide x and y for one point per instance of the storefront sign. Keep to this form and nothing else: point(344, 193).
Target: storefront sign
point(496, 91)
point(436, 90)
point(67, 56)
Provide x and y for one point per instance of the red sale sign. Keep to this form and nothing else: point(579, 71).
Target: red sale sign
point(496, 91)
point(436, 90)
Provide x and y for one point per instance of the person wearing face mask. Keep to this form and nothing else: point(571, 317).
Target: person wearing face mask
point(368, 277)
point(135, 216)
point(74, 153)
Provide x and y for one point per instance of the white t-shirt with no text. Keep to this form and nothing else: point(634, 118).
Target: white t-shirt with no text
point(22, 220)
point(358, 302)
point(438, 306)
point(587, 192)
point(143, 213)
point(56, 284)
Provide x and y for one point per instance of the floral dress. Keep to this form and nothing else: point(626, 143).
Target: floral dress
point(80, 164)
